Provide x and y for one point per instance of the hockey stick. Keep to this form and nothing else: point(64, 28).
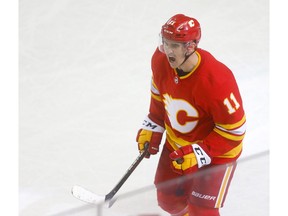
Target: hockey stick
point(92, 198)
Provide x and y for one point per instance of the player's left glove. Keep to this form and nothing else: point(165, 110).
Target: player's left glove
point(190, 158)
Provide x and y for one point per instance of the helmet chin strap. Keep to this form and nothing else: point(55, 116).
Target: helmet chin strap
point(185, 59)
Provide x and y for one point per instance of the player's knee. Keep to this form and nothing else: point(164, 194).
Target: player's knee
point(171, 203)
point(202, 211)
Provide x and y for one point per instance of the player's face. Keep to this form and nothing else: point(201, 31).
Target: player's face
point(175, 52)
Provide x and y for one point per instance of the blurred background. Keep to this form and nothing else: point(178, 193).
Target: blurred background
point(84, 89)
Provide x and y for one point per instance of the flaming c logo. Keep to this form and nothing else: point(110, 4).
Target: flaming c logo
point(182, 115)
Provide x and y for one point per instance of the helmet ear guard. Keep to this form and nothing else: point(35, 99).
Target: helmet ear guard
point(190, 44)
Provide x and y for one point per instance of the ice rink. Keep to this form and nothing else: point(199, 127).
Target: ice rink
point(84, 89)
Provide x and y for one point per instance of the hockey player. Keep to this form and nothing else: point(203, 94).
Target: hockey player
point(196, 100)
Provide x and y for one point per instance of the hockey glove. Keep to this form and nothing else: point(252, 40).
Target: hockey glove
point(190, 158)
point(151, 133)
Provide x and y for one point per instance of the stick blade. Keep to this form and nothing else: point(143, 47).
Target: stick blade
point(87, 196)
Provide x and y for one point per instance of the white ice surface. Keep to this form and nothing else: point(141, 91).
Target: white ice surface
point(84, 90)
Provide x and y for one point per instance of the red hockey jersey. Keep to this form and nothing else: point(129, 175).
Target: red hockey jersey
point(203, 105)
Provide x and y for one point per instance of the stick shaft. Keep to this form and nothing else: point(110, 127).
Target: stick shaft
point(130, 170)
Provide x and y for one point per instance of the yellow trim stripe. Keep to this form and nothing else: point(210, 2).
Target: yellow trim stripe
point(192, 71)
point(153, 83)
point(154, 88)
point(229, 136)
point(156, 97)
point(223, 186)
point(174, 138)
point(183, 212)
point(172, 144)
point(233, 152)
point(233, 126)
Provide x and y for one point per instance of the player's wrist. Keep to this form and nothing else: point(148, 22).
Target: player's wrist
point(150, 125)
point(202, 154)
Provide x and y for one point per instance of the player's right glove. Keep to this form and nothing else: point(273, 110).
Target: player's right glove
point(150, 133)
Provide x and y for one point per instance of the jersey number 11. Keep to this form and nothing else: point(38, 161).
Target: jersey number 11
point(228, 104)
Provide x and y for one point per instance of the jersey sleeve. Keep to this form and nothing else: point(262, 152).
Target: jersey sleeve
point(226, 107)
point(156, 109)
